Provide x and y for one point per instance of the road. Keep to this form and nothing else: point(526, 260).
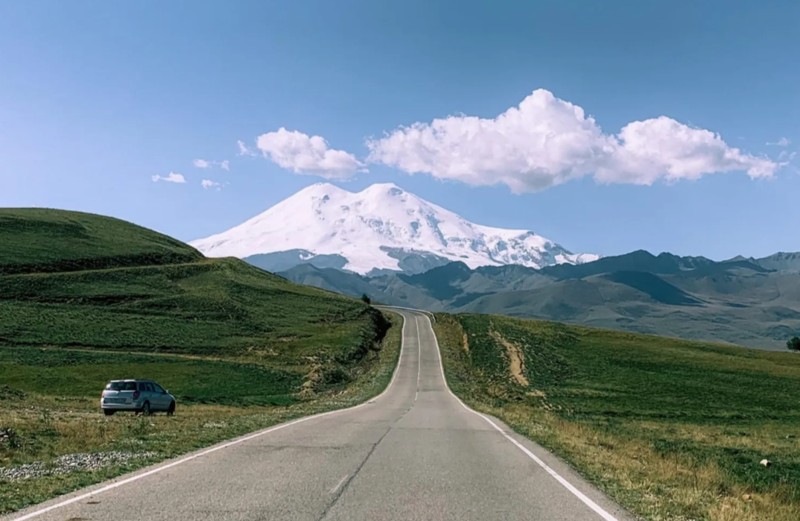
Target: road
point(413, 453)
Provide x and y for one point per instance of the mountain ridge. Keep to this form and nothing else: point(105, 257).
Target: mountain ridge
point(737, 301)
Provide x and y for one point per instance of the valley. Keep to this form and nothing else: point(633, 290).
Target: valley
point(664, 427)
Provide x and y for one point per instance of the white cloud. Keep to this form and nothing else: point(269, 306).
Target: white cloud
point(304, 154)
point(244, 150)
point(782, 142)
point(172, 177)
point(205, 163)
point(208, 183)
point(659, 148)
point(546, 141)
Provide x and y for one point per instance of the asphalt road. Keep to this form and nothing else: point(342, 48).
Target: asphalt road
point(413, 453)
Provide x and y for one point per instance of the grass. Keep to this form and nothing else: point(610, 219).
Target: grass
point(39, 239)
point(671, 429)
point(52, 407)
point(85, 299)
point(208, 306)
point(70, 374)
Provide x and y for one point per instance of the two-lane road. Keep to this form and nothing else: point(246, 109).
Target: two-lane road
point(413, 453)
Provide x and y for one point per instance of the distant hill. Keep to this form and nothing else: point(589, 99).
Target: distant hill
point(750, 302)
point(38, 239)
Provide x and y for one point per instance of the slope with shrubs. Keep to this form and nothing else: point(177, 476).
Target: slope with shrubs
point(671, 429)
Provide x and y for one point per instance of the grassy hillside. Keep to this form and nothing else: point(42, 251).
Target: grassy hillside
point(670, 428)
point(38, 239)
point(222, 307)
point(85, 299)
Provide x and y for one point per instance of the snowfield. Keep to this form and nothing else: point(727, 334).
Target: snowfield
point(373, 227)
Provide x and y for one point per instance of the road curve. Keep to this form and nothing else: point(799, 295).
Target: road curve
point(413, 453)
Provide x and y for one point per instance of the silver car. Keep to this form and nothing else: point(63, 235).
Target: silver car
point(144, 396)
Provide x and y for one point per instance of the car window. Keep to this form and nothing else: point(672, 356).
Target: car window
point(157, 388)
point(121, 386)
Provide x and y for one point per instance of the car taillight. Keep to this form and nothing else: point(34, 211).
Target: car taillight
point(135, 395)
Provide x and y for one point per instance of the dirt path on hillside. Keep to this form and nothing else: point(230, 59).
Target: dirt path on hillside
point(516, 359)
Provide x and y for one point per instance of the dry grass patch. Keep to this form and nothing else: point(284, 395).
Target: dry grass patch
point(672, 430)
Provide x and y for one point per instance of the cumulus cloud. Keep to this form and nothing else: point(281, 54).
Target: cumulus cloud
point(782, 142)
point(208, 184)
point(304, 154)
point(546, 141)
point(205, 163)
point(172, 177)
point(664, 148)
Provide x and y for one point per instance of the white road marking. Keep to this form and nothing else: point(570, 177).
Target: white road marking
point(216, 448)
point(569, 486)
point(338, 485)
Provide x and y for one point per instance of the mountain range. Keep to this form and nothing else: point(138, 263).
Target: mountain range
point(400, 249)
point(742, 301)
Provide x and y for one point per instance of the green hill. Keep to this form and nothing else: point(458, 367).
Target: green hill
point(85, 299)
point(38, 239)
point(86, 281)
point(672, 429)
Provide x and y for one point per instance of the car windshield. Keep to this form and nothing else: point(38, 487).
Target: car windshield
point(121, 386)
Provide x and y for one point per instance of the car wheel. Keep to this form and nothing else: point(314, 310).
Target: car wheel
point(108, 412)
point(171, 409)
point(146, 409)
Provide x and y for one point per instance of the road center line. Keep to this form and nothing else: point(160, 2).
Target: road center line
point(338, 485)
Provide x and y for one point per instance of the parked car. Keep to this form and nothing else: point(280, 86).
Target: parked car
point(143, 396)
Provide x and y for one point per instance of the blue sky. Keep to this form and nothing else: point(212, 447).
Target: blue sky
point(96, 98)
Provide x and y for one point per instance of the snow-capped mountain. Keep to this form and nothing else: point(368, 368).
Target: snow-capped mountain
point(380, 228)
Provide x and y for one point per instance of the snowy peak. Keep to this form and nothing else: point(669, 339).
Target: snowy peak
point(383, 227)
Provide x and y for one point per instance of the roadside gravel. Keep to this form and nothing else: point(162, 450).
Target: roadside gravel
point(70, 463)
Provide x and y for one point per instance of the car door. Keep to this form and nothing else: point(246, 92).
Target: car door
point(160, 397)
point(149, 395)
